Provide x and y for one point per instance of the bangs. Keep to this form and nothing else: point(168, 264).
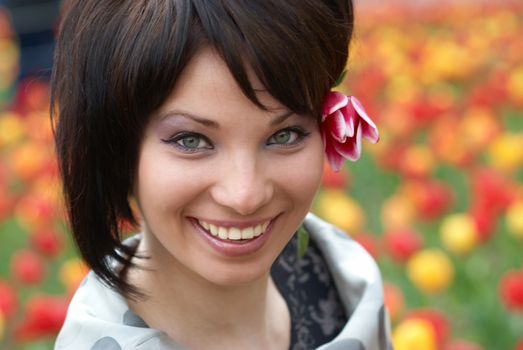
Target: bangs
point(296, 48)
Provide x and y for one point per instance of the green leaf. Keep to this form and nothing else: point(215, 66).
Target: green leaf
point(303, 242)
point(340, 78)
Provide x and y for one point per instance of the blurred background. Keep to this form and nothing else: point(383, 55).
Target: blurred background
point(438, 201)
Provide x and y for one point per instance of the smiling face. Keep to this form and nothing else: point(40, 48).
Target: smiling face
point(222, 185)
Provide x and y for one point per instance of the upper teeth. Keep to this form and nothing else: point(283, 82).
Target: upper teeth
point(234, 233)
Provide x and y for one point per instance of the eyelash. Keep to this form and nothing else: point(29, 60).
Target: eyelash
point(175, 141)
point(301, 134)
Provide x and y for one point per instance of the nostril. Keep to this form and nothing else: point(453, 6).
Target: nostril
point(244, 199)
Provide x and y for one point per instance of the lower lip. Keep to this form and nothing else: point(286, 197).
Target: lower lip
point(234, 248)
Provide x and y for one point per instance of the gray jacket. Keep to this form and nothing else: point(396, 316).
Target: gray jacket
point(99, 318)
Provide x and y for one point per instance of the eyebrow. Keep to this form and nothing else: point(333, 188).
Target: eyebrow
point(214, 125)
point(203, 121)
point(281, 118)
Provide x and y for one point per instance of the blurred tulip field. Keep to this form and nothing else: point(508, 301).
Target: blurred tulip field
point(438, 201)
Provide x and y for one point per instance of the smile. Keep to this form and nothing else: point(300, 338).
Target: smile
point(234, 233)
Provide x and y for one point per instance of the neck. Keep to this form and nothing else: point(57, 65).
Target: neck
point(203, 315)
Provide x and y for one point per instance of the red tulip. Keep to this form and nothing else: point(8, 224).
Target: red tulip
point(424, 111)
point(431, 198)
point(27, 267)
point(491, 93)
point(485, 218)
point(44, 316)
point(47, 242)
point(491, 189)
point(401, 244)
point(8, 300)
point(511, 290)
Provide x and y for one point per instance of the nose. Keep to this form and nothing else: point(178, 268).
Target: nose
point(242, 185)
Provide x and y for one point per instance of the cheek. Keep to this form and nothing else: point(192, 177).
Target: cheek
point(164, 185)
point(304, 174)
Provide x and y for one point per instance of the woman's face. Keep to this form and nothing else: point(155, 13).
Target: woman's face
point(222, 185)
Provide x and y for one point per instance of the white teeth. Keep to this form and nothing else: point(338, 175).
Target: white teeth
point(222, 233)
point(258, 230)
point(248, 233)
point(234, 233)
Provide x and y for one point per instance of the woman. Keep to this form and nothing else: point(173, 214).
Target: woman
point(207, 115)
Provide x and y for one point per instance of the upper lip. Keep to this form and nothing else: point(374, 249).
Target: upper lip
point(236, 224)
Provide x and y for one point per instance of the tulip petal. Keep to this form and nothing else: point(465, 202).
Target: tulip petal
point(350, 123)
point(334, 158)
point(333, 102)
point(370, 131)
point(336, 126)
point(351, 149)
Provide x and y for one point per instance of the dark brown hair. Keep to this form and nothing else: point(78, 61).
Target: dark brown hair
point(117, 61)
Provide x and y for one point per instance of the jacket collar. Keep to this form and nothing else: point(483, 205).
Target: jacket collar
point(358, 280)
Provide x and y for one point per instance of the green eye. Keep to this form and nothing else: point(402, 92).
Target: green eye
point(191, 141)
point(287, 137)
point(282, 137)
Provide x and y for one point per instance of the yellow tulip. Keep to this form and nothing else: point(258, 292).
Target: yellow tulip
point(458, 233)
point(340, 210)
point(514, 218)
point(430, 270)
point(414, 334)
point(505, 152)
